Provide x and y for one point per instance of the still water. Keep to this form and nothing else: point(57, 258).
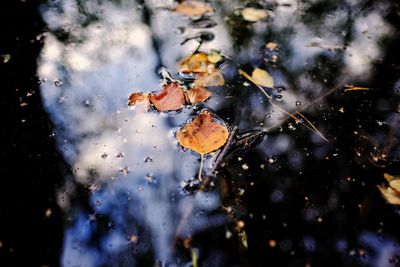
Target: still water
point(301, 196)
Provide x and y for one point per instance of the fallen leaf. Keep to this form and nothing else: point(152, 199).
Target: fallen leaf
point(196, 63)
point(271, 45)
point(193, 8)
point(394, 181)
point(171, 97)
point(262, 78)
point(137, 97)
point(253, 14)
point(214, 78)
point(390, 195)
point(198, 94)
point(214, 57)
point(203, 135)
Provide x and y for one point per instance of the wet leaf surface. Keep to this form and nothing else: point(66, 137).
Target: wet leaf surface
point(203, 134)
point(192, 8)
point(253, 14)
point(198, 94)
point(262, 77)
point(171, 97)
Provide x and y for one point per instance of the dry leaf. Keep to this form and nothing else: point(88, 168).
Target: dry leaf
point(391, 196)
point(261, 77)
point(197, 63)
point(171, 97)
point(215, 78)
point(193, 8)
point(198, 94)
point(203, 135)
point(253, 14)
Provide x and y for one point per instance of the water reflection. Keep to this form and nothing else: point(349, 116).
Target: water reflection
point(124, 204)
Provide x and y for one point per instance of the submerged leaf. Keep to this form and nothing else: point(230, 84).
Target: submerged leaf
point(261, 77)
point(171, 97)
point(193, 8)
point(198, 94)
point(253, 14)
point(203, 135)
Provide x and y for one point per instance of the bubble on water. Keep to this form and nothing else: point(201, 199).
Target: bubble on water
point(298, 103)
point(57, 83)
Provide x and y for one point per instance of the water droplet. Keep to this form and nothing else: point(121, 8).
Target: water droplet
point(104, 156)
point(278, 97)
point(298, 103)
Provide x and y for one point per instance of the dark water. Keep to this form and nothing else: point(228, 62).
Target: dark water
point(113, 190)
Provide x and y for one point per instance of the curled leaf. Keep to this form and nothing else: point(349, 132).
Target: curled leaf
point(198, 94)
point(214, 78)
point(261, 77)
point(203, 135)
point(193, 8)
point(196, 63)
point(253, 14)
point(171, 97)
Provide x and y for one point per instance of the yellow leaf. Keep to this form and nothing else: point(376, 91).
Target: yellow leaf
point(197, 63)
point(253, 14)
point(214, 57)
point(394, 181)
point(215, 78)
point(193, 8)
point(203, 135)
point(391, 196)
point(261, 77)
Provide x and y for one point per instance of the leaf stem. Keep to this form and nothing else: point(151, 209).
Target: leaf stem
point(201, 167)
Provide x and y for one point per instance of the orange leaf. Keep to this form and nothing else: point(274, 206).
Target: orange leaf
point(193, 8)
point(171, 97)
point(198, 94)
point(137, 98)
point(215, 78)
point(197, 63)
point(203, 135)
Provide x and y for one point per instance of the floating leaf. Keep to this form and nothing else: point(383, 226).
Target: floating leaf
point(391, 196)
point(262, 78)
point(214, 57)
point(394, 181)
point(193, 8)
point(196, 63)
point(253, 14)
point(271, 45)
point(137, 97)
point(198, 94)
point(203, 135)
point(171, 97)
point(215, 78)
